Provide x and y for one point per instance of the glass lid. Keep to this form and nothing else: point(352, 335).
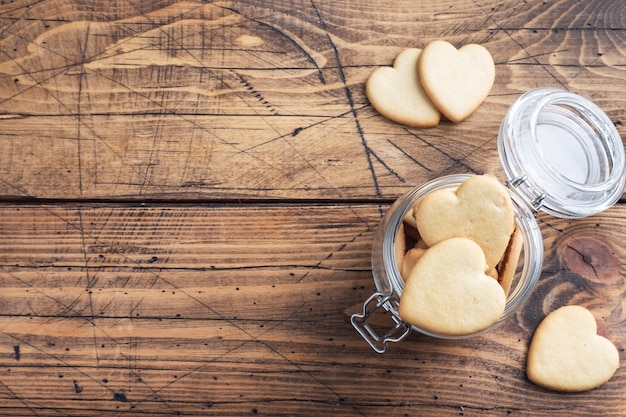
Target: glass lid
point(562, 153)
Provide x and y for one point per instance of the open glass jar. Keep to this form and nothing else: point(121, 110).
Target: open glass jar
point(562, 155)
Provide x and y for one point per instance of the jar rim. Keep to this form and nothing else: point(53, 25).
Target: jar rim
point(549, 131)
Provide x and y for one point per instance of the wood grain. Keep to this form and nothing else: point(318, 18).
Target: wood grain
point(223, 100)
point(182, 310)
point(189, 192)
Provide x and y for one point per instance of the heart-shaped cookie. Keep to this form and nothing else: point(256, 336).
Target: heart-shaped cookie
point(397, 93)
point(448, 292)
point(456, 80)
point(566, 353)
point(410, 259)
point(480, 209)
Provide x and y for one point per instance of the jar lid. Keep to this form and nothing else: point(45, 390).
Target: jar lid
point(562, 154)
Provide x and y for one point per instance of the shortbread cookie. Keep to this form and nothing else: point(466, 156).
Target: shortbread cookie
point(480, 209)
point(493, 273)
point(410, 220)
point(410, 259)
point(457, 81)
point(508, 265)
point(410, 228)
point(420, 244)
point(567, 354)
point(397, 93)
point(448, 292)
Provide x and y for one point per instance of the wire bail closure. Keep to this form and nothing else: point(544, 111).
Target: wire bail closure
point(377, 342)
point(537, 202)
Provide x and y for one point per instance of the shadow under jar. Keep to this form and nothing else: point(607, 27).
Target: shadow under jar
point(562, 155)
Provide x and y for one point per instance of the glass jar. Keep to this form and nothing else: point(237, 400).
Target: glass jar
point(562, 155)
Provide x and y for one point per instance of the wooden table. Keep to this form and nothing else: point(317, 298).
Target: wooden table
point(189, 191)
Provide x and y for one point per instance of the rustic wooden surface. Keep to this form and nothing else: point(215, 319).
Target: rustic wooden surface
point(189, 191)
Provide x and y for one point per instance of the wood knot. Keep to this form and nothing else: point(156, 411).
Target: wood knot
point(590, 258)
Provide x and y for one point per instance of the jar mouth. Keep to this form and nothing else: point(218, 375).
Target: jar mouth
point(390, 280)
point(591, 162)
point(567, 151)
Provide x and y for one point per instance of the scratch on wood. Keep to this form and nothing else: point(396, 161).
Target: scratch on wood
point(306, 54)
point(446, 154)
point(255, 92)
point(409, 156)
point(348, 93)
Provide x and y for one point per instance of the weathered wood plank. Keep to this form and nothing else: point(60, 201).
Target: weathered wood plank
point(222, 310)
point(226, 100)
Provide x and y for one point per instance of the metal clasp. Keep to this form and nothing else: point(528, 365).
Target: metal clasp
point(537, 202)
point(377, 342)
point(515, 182)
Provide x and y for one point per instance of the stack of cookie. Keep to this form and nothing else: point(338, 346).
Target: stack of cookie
point(462, 259)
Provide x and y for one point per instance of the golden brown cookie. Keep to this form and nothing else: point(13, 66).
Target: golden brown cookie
point(457, 81)
point(448, 292)
point(480, 209)
point(508, 265)
point(410, 228)
point(567, 354)
point(397, 93)
point(410, 259)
